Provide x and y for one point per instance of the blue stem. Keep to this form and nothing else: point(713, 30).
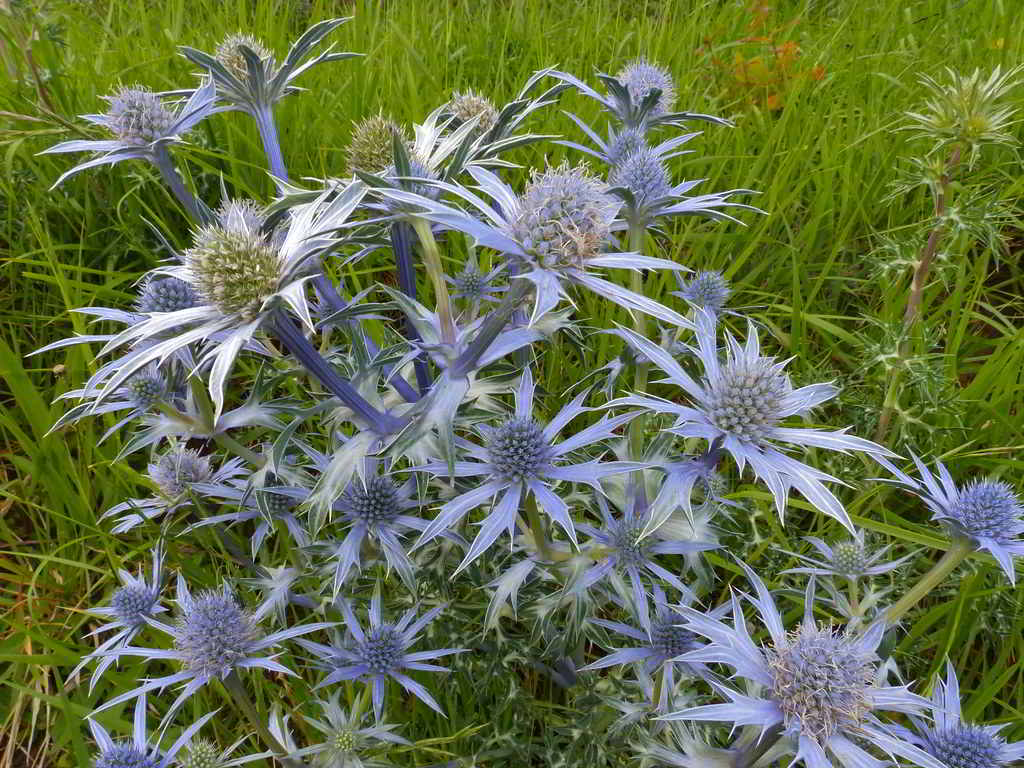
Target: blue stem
point(325, 288)
point(163, 162)
point(401, 244)
point(292, 337)
point(271, 145)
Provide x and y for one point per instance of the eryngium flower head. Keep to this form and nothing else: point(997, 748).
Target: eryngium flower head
point(957, 743)
point(201, 754)
point(371, 148)
point(377, 502)
point(233, 270)
point(346, 740)
point(146, 388)
point(624, 143)
point(641, 78)
point(229, 53)
point(213, 636)
point(848, 559)
point(968, 110)
point(417, 170)
point(986, 512)
point(133, 603)
point(565, 216)
point(240, 215)
point(469, 105)
point(381, 651)
point(166, 294)
point(473, 285)
point(644, 174)
point(741, 403)
point(518, 450)
point(138, 116)
point(137, 753)
point(215, 633)
point(175, 471)
point(707, 290)
point(820, 685)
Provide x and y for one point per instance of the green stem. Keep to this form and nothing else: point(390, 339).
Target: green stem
point(432, 263)
point(537, 527)
point(222, 439)
point(233, 685)
point(756, 751)
point(636, 427)
point(957, 552)
point(854, 597)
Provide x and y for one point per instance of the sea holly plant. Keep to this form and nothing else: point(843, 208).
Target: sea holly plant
point(370, 494)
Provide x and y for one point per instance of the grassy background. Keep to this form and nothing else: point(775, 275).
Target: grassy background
point(815, 89)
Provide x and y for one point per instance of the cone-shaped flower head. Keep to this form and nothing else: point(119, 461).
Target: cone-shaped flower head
point(371, 148)
point(132, 603)
point(957, 743)
point(565, 216)
point(146, 388)
point(125, 755)
point(375, 503)
point(229, 53)
point(741, 404)
point(644, 174)
point(166, 294)
point(138, 116)
point(707, 290)
point(215, 633)
point(986, 512)
point(178, 469)
point(623, 144)
point(641, 78)
point(472, 284)
point(346, 740)
point(234, 270)
point(138, 752)
point(469, 105)
point(518, 450)
point(201, 754)
point(820, 685)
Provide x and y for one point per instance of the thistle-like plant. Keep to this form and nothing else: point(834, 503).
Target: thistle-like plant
point(214, 637)
point(982, 514)
point(517, 462)
point(846, 559)
point(347, 741)
point(138, 752)
point(956, 742)
point(740, 405)
point(381, 652)
point(143, 124)
point(818, 687)
point(707, 290)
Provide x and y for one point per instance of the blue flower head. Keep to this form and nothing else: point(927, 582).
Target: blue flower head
point(166, 294)
point(707, 290)
point(644, 174)
point(138, 752)
point(381, 652)
point(986, 512)
point(847, 559)
point(641, 79)
point(956, 742)
point(347, 740)
point(520, 457)
point(741, 406)
point(818, 684)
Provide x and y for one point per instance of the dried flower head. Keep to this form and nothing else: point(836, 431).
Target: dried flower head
point(371, 148)
point(469, 105)
point(178, 469)
point(229, 53)
point(564, 217)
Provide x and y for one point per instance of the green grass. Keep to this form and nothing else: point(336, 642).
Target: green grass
point(822, 160)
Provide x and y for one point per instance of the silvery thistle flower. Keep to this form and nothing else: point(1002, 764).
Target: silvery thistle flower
point(662, 639)
point(517, 458)
point(470, 105)
point(143, 125)
point(380, 652)
point(174, 473)
point(130, 605)
point(846, 559)
point(348, 743)
point(622, 548)
point(245, 281)
point(214, 636)
point(640, 97)
point(554, 233)
point(985, 512)
point(643, 181)
point(818, 686)
point(707, 290)
point(137, 752)
point(371, 147)
point(956, 743)
point(473, 286)
point(248, 77)
point(205, 754)
point(740, 405)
